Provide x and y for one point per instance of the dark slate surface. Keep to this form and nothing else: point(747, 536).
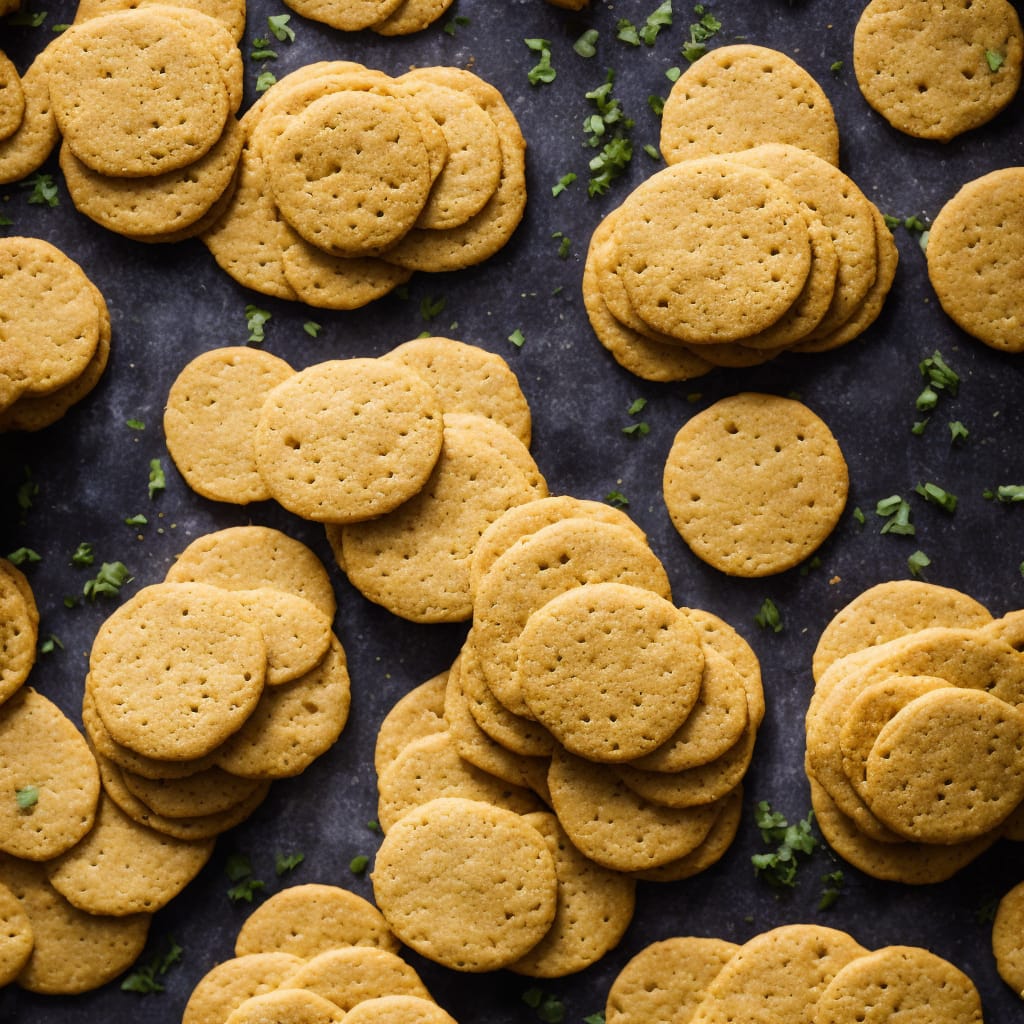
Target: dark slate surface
point(170, 303)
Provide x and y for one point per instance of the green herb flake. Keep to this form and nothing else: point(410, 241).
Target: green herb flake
point(640, 429)
point(44, 190)
point(832, 889)
point(26, 797)
point(594, 1018)
point(5, 222)
point(769, 616)
point(919, 425)
point(939, 377)
point(659, 18)
point(835, 67)
point(896, 512)
point(809, 565)
point(312, 328)
point(563, 183)
point(24, 556)
point(239, 870)
point(958, 433)
point(278, 25)
point(918, 562)
point(1007, 493)
point(585, 46)
point(265, 80)
point(994, 59)
point(937, 496)
point(549, 1008)
point(157, 479)
point(431, 307)
point(858, 515)
point(373, 825)
point(564, 244)
point(135, 424)
point(891, 222)
point(357, 865)
point(453, 25)
point(700, 32)
point(27, 18)
point(637, 405)
point(517, 338)
point(60, 28)
point(626, 32)
point(607, 128)
point(145, 979)
point(779, 868)
point(616, 499)
point(652, 151)
point(83, 555)
point(26, 494)
point(108, 582)
point(261, 50)
point(673, 74)
point(542, 72)
point(256, 322)
point(287, 863)
point(50, 644)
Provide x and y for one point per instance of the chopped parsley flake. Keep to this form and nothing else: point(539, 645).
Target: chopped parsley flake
point(918, 428)
point(858, 515)
point(24, 556)
point(27, 18)
point(542, 71)
point(616, 499)
point(939, 377)
point(779, 868)
point(27, 797)
point(239, 870)
point(1007, 493)
point(83, 555)
point(265, 80)
point(700, 32)
point(431, 307)
point(563, 183)
point(26, 493)
point(673, 74)
point(550, 1009)
point(994, 59)
point(917, 562)
point(937, 496)
point(373, 825)
point(637, 405)
point(145, 979)
point(626, 32)
point(157, 479)
point(832, 882)
point(312, 328)
point(137, 520)
point(108, 582)
point(50, 644)
point(769, 616)
point(640, 429)
point(517, 338)
point(256, 322)
point(261, 50)
point(452, 26)
point(278, 24)
point(835, 67)
point(607, 126)
point(564, 245)
point(657, 105)
point(957, 432)
point(897, 513)
point(357, 865)
point(135, 424)
point(44, 190)
point(287, 862)
point(584, 46)
point(594, 1018)
point(659, 18)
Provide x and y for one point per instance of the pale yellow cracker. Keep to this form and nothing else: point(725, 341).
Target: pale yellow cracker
point(16, 932)
point(245, 557)
point(1008, 939)
point(12, 98)
point(419, 713)
point(395, 1009)
point(219, 395)
point(411, 16)
point(326, 281)
point(305, 920)
point(225, 987)
point(26, 149)
point(346, 15)
point(19, 631)
point(490, 912)
point(285, 1006)
point(48, 777)
point(213, 791)
point(230, 12)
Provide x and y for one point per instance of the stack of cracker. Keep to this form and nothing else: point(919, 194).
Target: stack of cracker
point(350, 180)
point(407, 458)
point(54, 334)
point(318, 950)
point(28, 129)
point(581, 689)
point(751, 243)
point(145, 101)
point(915, 731)
point(198, 695)
point(385, 17)
point(797, 972)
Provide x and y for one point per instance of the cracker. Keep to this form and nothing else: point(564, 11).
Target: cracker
point(897, 984)
point(611, 825)
point(293, 723)
point(890, 610)
point(755, 483)
point(43, 751)
point(26, 149)
point(306, 920)
point(285, 1006)
point(557, 558)
point(225, 987)
point(395, 1009)
point(18, 940)
point(431, 768)
point(594, 909)
point(12, 98)
point(496, 907)
point(213, 791)
point(19, 631)
point(924, 66)
point(612, 670)
point(419, 713)
point(737, 97)
point(416, 561)
point(244, 557)
point(710, 220)
point(947, 767)
point(122, 867)
point(666, 979)
point(974, 258)
point(468, 379)
point(1007, 941)
point(231, 13)
point(177, 669)
point(411, 16)
point(350, 975)
point(337, 282)
point(220, 394)
point(73, 951)
point(104, 68)
point(346, 15)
